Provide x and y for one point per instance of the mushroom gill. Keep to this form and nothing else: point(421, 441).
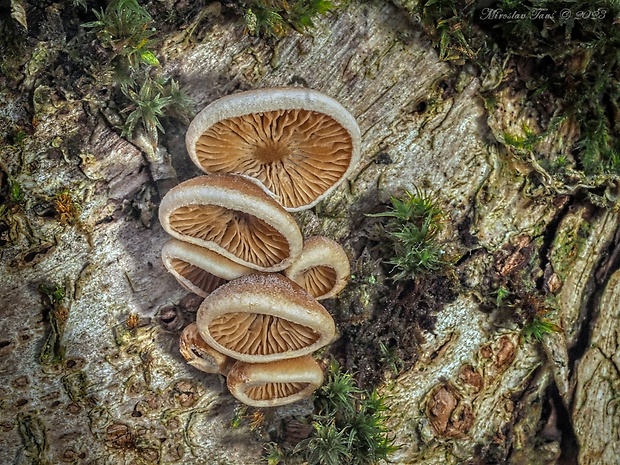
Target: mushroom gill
point(318, 280)
point(240, 233)
point(251, 333)
point(199, 270)
point(261, 318)
point(198, 277)
point(322, 269)
point(298, 143)
point(232, 216)
point(284, 149)
point(274, 390)
point(275, 383)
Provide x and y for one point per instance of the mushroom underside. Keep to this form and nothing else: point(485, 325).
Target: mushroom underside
point(245, 236)
point(275, 383)
point(318, 280)
point(267, 391)
point(200, 278)
point(296, 154)
point(260, 334)
point(199, 354)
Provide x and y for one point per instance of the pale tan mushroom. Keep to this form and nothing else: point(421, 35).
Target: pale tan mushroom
point(261, 318)
point(322, 269)
point(274, 383)
point(299, 143)
point(197, 269)
point(232, 216)
point(201, 355)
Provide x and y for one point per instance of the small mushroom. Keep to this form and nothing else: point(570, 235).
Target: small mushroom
point(232, 216)
point(197, 269)
point(274, 383)
point(261, 318)
point(201, 355)
point(322, 269)
point(299, 143)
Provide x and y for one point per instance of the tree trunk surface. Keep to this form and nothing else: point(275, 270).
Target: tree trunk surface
point(475, 391)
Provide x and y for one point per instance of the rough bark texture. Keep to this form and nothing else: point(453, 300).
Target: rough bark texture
point(477, 391)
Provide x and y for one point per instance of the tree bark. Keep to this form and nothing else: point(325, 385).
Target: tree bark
point(477, 390)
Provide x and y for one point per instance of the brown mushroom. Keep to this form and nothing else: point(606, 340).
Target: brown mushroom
point(322, 269)
point(201, 355)
point(197, 269)
point(274, 383)
point(261, 318)
point(299, 143)
point(232, 216)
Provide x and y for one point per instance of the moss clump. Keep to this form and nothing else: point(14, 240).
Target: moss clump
point(538, 327)
point(574, 49)
point(276, 18)
point(125, 30)
point(348, 427)
point(412, 231)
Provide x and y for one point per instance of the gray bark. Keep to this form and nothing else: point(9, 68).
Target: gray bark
point(477, 388)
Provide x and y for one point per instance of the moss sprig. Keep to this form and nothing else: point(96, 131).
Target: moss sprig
point(538, 328)
point(147, 107)
point(276, 18)
point(127, 29)
point(413, 226)
point(349, 425)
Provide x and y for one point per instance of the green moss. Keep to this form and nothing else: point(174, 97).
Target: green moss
point(574, 49)
point(412, 229)
point(276, 18)
point(501, 294)
point(526, 142)
point(273, 454)
point(53, 350)
point(568, 245)
point(349, 424)
point(538, 328)
point(126, 28)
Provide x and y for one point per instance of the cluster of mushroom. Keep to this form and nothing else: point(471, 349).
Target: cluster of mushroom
point(266, 153)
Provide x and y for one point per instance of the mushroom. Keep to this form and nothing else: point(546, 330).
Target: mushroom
point(299, 143)
point(274, 383)
point(197, 269)
point(261, 318)
point(232, 216)
point(201, 355)
point(322, 269)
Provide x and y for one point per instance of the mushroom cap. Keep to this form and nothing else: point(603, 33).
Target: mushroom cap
point(299, 143)
point(274, 383)
point(201, 355)
point(232, 216)
point(197, 269)
point(261, 318)
point(322, 269)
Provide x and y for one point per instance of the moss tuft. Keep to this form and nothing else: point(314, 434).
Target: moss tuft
point(412, 231)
